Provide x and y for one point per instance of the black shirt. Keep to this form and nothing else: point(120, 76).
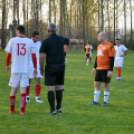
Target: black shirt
point(53, 48)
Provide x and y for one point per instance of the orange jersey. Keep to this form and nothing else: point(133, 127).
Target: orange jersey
point(65, 48)
point(104, 52)
point(87, 47)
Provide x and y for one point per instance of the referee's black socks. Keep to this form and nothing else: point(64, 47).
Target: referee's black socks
point(51, 99)
point(59, 98)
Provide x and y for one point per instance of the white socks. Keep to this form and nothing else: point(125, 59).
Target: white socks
point(106, 96)
point(96, 95)
point(87, 61)
point(36, 98)
point(66, 60)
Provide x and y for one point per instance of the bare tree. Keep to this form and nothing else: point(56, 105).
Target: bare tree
point(125, 22)
point(3, 34)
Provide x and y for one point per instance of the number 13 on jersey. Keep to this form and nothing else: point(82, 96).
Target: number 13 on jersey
point(21, 49)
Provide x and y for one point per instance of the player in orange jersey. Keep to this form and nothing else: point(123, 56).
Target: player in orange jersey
point(65, 50)
point(87, 49)
point(104, 67)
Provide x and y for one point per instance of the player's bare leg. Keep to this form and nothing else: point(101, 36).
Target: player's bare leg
point(51, 99)
point(23, 100)
point(12, 100)
point(87, 61)
point(106, 93)
point(96, 93)
point(27, 91)
point(118, 70)
point(37, 90)
point(58, 98)
point(66, 59)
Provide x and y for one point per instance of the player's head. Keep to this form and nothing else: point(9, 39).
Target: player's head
point(35, 36)
point(102, 37)
point(117, 41)
point(20, 30)
point(52, 28)
point(89, 43)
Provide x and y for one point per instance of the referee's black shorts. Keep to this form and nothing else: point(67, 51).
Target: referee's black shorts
point(101, 76)
point(87, 55)
point(65, 54)
point(54, 75)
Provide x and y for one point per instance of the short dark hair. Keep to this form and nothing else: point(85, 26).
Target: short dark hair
point(21, 29)
point(35, 33)
point(89, 42)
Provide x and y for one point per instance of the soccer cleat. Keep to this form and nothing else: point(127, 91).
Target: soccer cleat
point(104, 103)
point(62, 88)
point(58, 111)
point(38, 100)
point(27, 99)
point(12, 112)
point(53, 113)
point(116, 79)
point(23, 113)
point(93, 103)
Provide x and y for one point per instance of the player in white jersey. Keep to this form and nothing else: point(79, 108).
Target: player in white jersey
point(121, 51)
point(19, 49)
point(90, 55)
point(37, 45)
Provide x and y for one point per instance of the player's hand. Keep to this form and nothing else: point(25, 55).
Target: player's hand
point(109, 74)
point(121, 55)
point(35, 72)
point(93, 71)
point(8, 69)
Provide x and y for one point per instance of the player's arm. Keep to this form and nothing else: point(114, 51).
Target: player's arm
point(43, 52)
point(126, 52)
point(42, 60)
point(111, 56)
point(75, 41)
point(8, 49)
point(95, 66)
point(8, 58)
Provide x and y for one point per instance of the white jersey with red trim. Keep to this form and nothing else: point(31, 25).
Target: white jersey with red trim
point(37, 46)
point(91, 49)
point(120, 50)
point(20, 48)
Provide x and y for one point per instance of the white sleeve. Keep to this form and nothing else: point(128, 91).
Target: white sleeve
point(32, 48)
point(8, 48)
point(124, 48)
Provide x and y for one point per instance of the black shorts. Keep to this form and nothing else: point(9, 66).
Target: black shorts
point(87, 55)
point(101, 76)
point(54, 75)
point(65, 54)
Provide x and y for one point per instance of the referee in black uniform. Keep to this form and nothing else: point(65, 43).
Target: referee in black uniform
point(52, 49)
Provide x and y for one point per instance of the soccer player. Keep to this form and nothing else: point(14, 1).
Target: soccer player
point(90, 55)
point(19, 49)
point(65, 50)
point(37, 45)
point(87, 49)
point(104, 68)
point(121, 51)
point(52, 49)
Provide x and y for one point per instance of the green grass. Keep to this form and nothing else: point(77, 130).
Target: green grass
point(77, 118)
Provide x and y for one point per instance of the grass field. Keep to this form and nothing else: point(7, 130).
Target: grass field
point(77, 118)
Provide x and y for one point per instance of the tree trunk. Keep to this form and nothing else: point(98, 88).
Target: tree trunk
point(102, 16)
point(131, 18)
point(3, 32)
point(125, 22)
